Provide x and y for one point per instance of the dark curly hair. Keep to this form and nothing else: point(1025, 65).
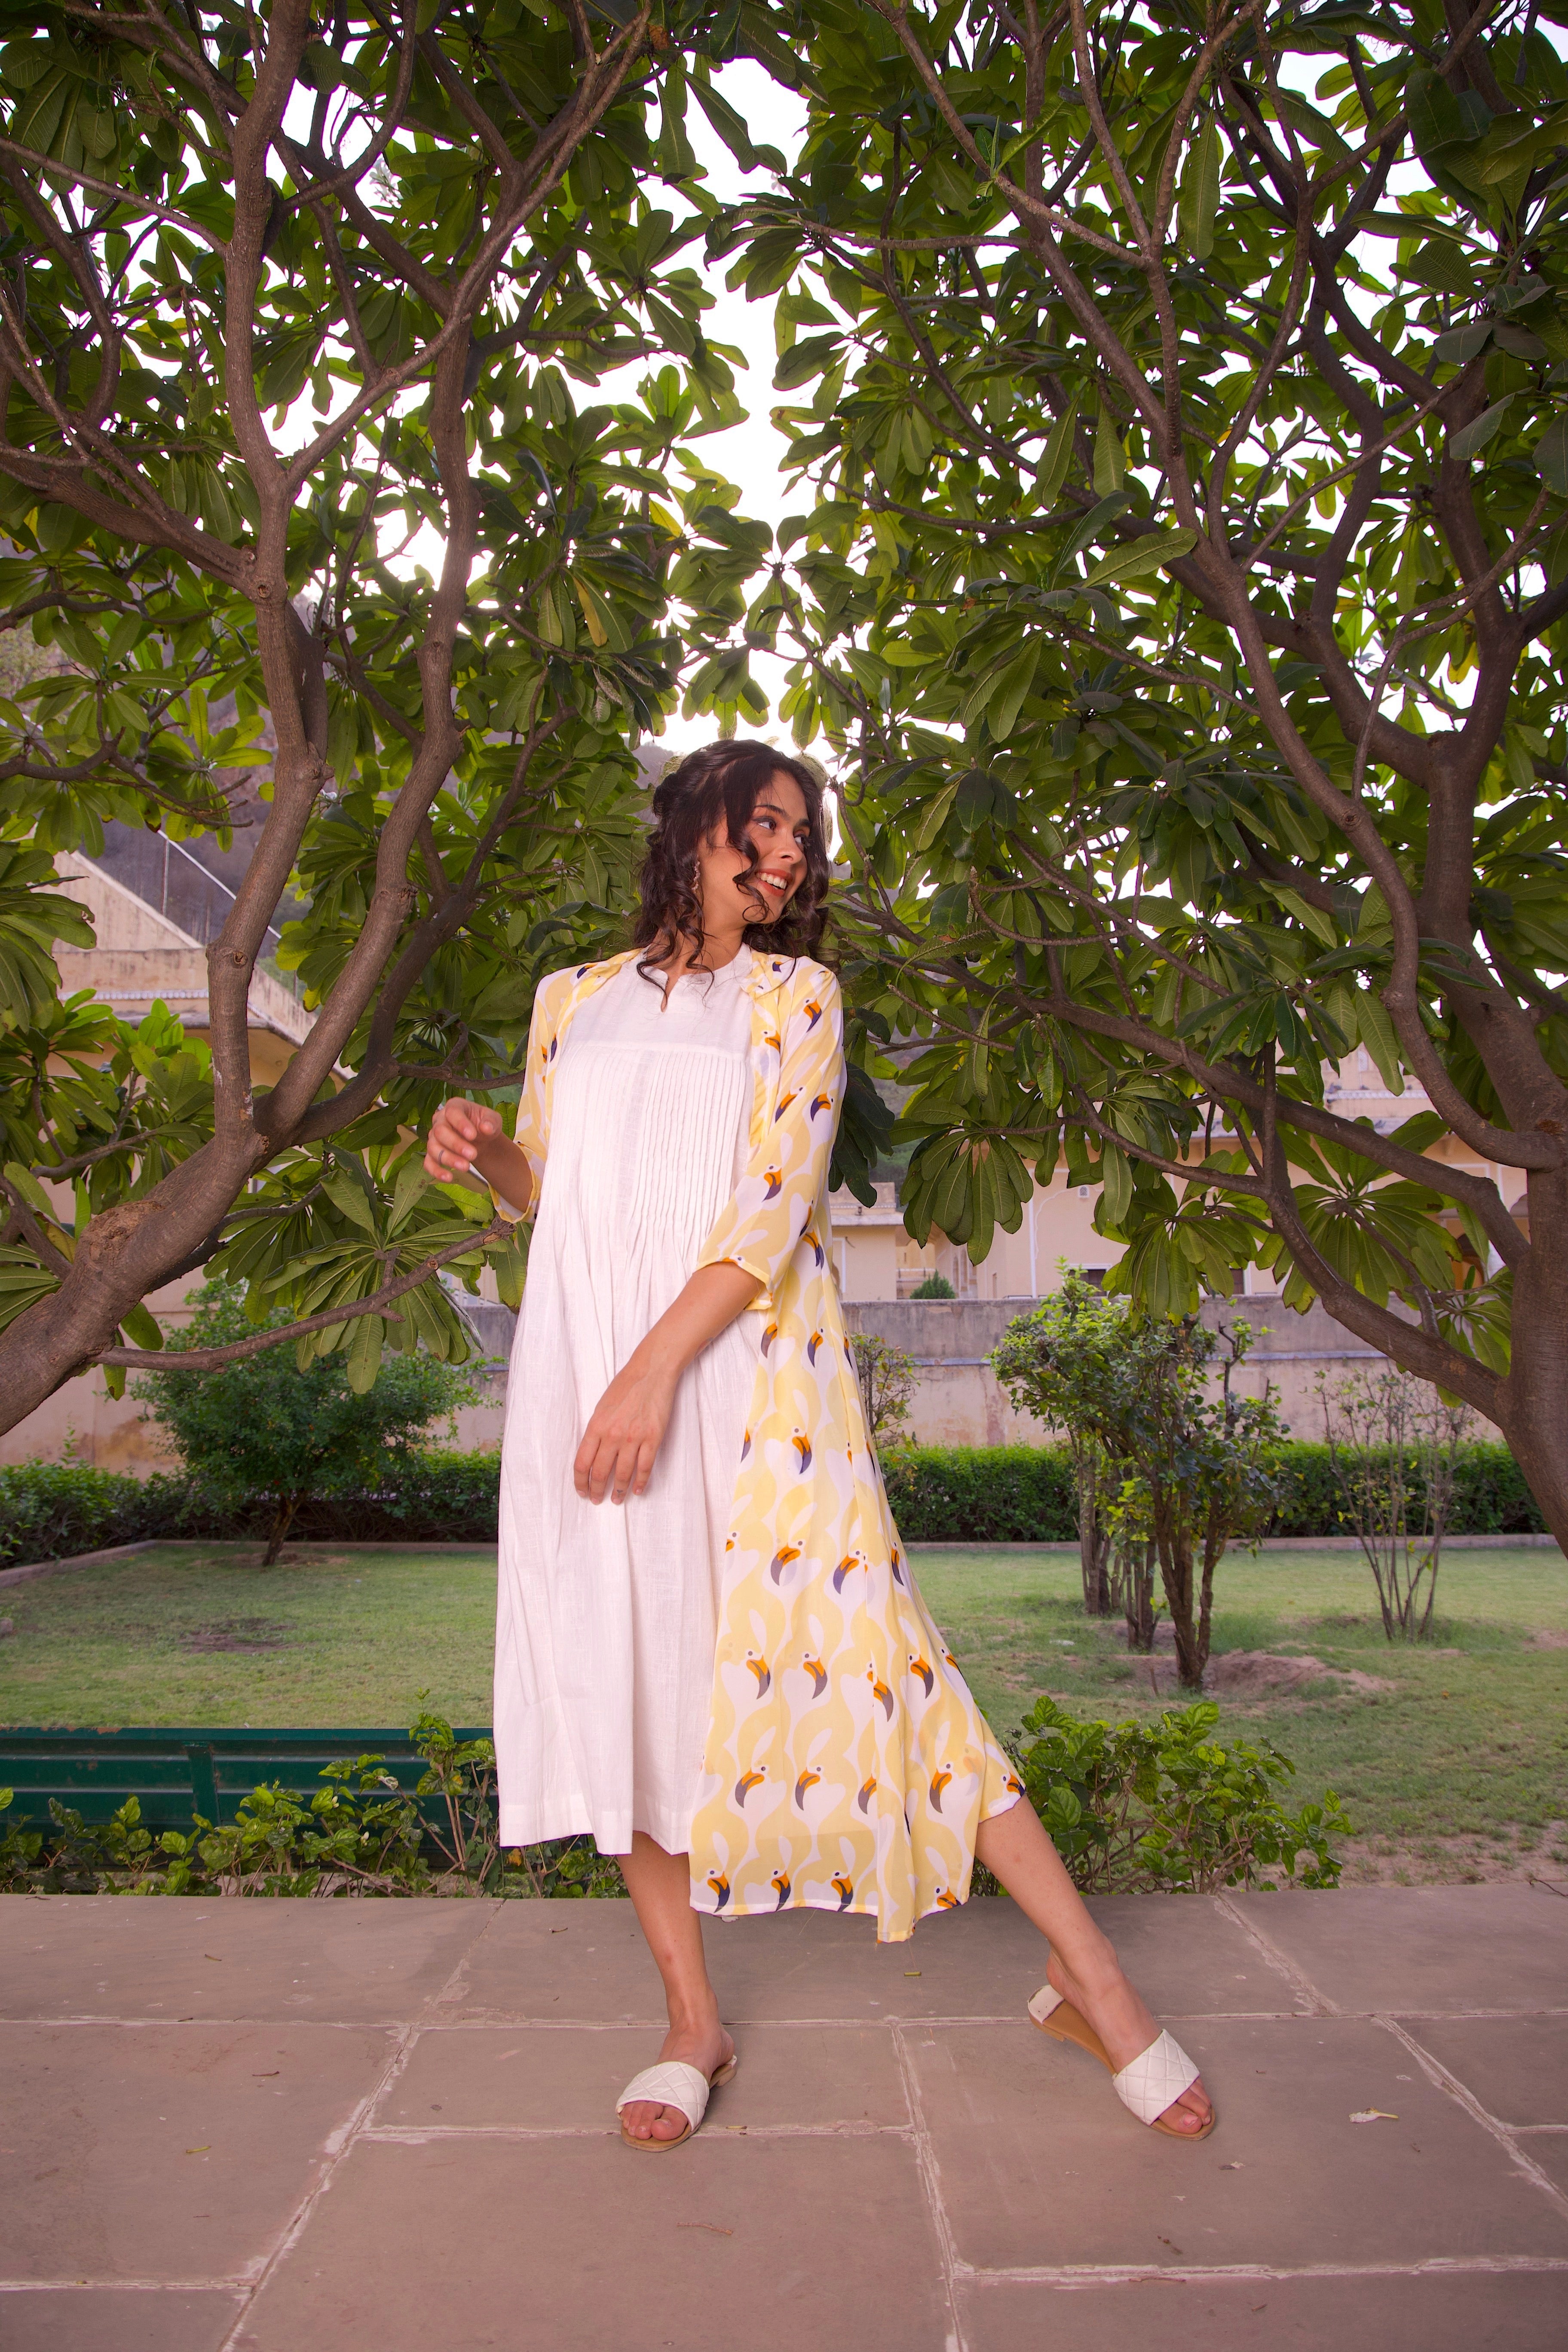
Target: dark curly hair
point(720, 785)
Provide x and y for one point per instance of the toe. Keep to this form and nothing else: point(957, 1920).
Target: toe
point(1191, 2112)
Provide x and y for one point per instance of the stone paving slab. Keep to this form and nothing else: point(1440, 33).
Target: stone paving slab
point(1373, 1950)
point(260, 2127)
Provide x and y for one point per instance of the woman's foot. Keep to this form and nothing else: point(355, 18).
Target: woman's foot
point(1113, 2006)
point(706, 2047)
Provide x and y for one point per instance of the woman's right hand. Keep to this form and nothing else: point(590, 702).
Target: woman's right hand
point(469, 1145)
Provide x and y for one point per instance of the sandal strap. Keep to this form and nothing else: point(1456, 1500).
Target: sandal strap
point(1155, 2079)
point(671, 2084)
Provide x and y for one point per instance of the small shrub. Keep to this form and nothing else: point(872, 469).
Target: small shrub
point(888, 1381)
point(267, 1425)
point(935, 1286)
point(1130, 1805)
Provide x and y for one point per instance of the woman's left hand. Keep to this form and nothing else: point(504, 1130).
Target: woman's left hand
point(623, 1434)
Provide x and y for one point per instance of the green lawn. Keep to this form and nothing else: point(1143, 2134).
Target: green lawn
point(1457, 1769)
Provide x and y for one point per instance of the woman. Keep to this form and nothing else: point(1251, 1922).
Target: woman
point(728, 1676)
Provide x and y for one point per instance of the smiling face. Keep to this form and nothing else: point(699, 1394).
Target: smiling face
point(779, 831)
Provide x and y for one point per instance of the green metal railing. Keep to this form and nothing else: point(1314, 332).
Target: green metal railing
point(180, 1772)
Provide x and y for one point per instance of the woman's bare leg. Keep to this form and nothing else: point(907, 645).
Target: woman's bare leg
point(659, 1884)
point(1083, 1965)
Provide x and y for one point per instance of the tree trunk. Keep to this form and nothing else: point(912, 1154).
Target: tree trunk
point(1137, 1581)
point(1175, 1543)
point(283, 1519)
point(1093, 1541)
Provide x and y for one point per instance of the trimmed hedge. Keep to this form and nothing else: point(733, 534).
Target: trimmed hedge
point(940, 1494)
point(1024, 1494)
point(49, 1510)
point(981, 1494)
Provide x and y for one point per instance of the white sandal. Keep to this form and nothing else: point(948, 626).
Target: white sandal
point(673, 2083)
point(1148, 2084)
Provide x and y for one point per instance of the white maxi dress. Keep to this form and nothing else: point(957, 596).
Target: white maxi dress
point(606, 1613)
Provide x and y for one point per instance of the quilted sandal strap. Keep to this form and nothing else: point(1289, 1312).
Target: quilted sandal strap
point(1155, 2079)
point(671, 2084)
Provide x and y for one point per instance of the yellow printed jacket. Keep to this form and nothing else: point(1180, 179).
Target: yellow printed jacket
point(846, 1766)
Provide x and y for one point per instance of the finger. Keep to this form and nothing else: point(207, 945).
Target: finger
point(625, 1470)
point(647, 1454)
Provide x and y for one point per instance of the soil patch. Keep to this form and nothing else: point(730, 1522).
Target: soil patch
point(1262, 1674)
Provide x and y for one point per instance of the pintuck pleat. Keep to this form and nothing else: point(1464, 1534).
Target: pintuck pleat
point(606, 1618)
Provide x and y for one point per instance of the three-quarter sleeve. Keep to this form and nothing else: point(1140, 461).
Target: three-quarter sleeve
point(786, 1173)
point(531, 1134)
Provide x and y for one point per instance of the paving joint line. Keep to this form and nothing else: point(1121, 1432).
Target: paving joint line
point(1439, 2075)
point(1300, 1983)
point(1077, 2275)
point(336, 2146)
point(930, 2172)
point(415, 2135)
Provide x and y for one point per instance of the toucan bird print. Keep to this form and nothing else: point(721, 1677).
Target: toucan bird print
point(779, 1882)
point(868, 1790)
point(818, 1673)
point(808, 1780)
point(782, 1559)
point(745, 1784)
point(763, 1672)
point(844, 1887)
point(919, 1666)
point(720, 1886)
point(802, 1444)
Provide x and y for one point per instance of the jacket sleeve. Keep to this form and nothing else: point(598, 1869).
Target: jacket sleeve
point(786, 1173)
point(532, 1135)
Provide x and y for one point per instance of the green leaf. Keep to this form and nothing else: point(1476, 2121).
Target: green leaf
point(1058, 454)
point(1551, 455)
point(1200, 193)
point(23, 1180)
point(1007, 697)
point(142, 1327)
point(1110, 460)
point(936, 816)
point(1472, 438)
point(367, 1334)
point(1144, 556)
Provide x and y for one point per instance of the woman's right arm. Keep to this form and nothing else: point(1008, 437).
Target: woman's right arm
point(467, 1143)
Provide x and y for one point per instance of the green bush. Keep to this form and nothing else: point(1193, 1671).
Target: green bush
point(290, 1424)
point(1166, 1805)
point(981, 1494)
point(49, 1510)
point(1490, 1496)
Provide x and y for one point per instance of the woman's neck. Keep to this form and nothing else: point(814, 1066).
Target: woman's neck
point(718, 948)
